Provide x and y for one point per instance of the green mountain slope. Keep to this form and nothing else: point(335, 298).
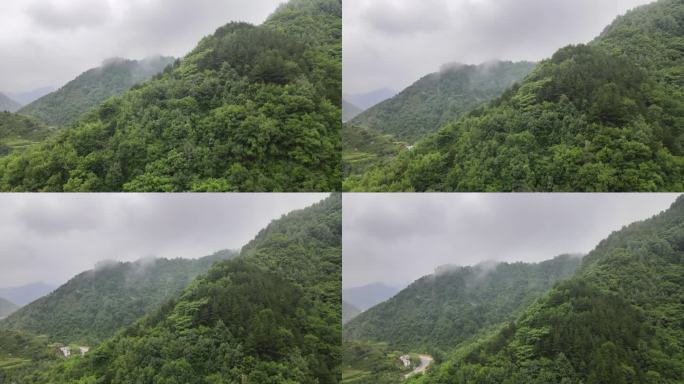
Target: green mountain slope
point(349, 110)
point(442, 310)
point(22, 353)
point(441, 97)
point(271, 315)
point(608, 116)
point(7, 104)
point(365, 148)
point(96, 304)
point(619, 320)
point(91, 88)
point(17, 132)
point(251, 108)
point(6, 307)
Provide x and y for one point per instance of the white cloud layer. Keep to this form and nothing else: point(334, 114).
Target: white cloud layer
point(397, 238)
point(392, 43)
point(49, 42)
point(52, 237)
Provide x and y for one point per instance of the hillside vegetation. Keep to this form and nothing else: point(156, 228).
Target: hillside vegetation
point(442, 97)
point(17, 132)
point(365, 148)
point(440, 311)
point(251, 108)
point(607, 116)
point(349, 110)
point(62, 107)
point(95, 304)
point(618, 320)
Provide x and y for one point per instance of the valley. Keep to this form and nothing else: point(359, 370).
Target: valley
point(610, 316)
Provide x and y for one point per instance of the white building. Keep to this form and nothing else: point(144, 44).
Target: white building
point(66, 351)
point(406, 360)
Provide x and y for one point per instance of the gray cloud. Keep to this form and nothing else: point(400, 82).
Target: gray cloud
point(49, 42)
point(396, 238)
point(56, 15)
point(391, 44)
point(52, 237)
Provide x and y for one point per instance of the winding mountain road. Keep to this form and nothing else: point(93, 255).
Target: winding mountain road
point(425, 361)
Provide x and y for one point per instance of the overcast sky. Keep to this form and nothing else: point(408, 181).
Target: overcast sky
point(52, 237)
point(392, 43)
point(397, 238)
point(49, 42)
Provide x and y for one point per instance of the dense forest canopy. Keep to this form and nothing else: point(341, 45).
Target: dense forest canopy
point(251, 108)
point(618, 320)
point(607, 116)
point(441, 97)
point(95, 304)
point(62, 107)
point(271, 315)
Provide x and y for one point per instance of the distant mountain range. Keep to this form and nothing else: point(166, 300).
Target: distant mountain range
point(440, 97)
point(91, 88)
point(369, 295)
point(348, 312)
point(446, 308)
point(7, 308)
point(25, 98)
point(366, 100)
point(95, 304)
point(7, 104)
point(25, 294)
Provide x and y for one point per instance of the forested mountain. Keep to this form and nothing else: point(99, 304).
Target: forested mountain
point(7, 104)
point(17, 132)
point(369, 295)
point(251, 108)
point(607, 116)
point(348, 312)
point(349, 110)
point(91, 88)
point(6, 307)
point(618, 320)
point(369, 99)
point(442, 310)
point(97, 303)
point(25, 294)
point(442, 97)
point(271, 315)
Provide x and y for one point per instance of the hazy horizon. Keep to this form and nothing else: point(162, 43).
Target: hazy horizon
point(389, 44)
point(50, 42)
point(50, 238)
point(398, 238)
